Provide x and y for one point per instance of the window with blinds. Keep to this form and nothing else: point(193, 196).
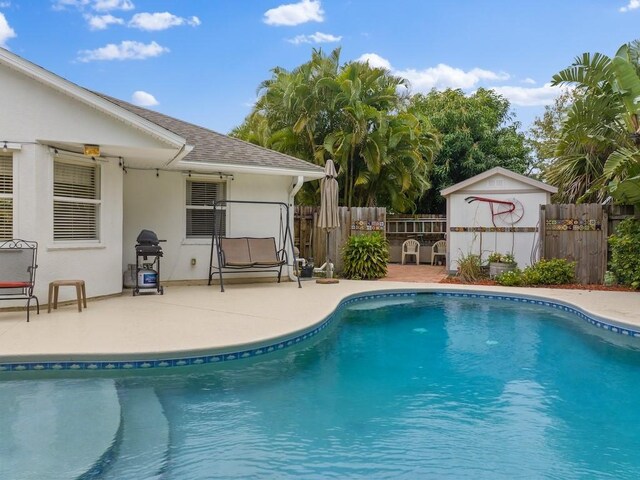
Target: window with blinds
point(6, 197)
point(200, 198)
point(76, 201)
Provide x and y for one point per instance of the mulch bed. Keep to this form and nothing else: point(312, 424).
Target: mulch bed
point(573, 286)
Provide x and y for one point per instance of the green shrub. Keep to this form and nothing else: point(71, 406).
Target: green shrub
point(625, 252)
point(470, 268)
point(365, 257)
point(495, 257)
point(512, 278)
point(556, 271)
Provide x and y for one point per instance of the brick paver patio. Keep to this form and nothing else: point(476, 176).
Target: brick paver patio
point(415, 273)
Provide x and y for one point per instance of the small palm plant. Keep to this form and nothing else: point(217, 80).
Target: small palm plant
point(365, 257)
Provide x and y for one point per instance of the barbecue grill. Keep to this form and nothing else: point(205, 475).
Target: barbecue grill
point(148, 273)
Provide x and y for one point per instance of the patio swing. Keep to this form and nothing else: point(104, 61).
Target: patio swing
point(250, 254)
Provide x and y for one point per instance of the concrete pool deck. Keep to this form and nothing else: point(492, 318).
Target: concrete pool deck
point(192, 320)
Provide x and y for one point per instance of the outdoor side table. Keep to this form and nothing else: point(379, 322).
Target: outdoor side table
point(81, 293)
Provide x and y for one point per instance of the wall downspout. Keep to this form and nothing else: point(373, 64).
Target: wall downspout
point(295, 188)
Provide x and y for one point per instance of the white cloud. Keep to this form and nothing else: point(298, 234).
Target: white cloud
point(6, 32)
point(444, 76)
point(160, 21)
point(101, 22)
point(632, 5)
point(97, 5)
point(63, 4)
point(295, 13)
point(440, 77)
point(143, 99)
point(374, 60)
point(127, 50)
point(317, 37)
point(529, 96)
point(108, 5)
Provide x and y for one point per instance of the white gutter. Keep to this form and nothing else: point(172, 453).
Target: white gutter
point(226, 168)
point(295, 188)
point(183, 152)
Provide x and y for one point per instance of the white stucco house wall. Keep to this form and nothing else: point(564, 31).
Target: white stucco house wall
point(510, 224)
point(152, 172)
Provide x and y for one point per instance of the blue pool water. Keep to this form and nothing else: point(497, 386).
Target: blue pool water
point(429, 387)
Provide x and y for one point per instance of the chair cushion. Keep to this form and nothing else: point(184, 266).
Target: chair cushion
point(263, 251)
point(236, 252)
point(14, 284)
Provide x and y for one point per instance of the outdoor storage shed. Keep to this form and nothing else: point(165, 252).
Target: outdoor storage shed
point(495, 211)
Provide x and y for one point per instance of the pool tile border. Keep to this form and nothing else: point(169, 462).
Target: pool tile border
point(285, 343)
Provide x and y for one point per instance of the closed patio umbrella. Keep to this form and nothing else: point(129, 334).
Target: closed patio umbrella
point(328, 217)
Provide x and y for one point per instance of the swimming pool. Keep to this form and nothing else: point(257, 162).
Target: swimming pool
point(411, 387)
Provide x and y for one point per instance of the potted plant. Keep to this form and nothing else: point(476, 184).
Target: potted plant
point(500, 263)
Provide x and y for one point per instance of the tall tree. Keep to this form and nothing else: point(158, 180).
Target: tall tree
point(598, 150)
point(544, 133)
point(354, 114)
point(477, 133)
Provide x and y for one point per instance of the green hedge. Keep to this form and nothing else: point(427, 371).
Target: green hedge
point(625, 252)
point(556, 271)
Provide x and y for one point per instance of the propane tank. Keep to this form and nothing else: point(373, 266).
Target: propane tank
point(147, 277)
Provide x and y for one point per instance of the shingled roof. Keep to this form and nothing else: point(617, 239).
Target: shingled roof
point(213, 147)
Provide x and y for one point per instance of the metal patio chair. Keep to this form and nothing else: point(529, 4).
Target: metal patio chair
point(18, 271)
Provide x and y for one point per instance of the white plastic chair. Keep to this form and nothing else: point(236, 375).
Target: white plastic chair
point(439, 249)
point(411, 247)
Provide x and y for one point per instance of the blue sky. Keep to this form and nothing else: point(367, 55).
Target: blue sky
point(202, 60)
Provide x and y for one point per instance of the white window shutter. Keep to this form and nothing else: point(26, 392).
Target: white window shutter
point(6, 197)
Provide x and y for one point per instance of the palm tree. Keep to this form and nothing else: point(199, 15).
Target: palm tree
point(598, 148)
point(354, 114)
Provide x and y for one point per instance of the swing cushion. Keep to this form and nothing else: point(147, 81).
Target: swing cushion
point(245, 252)
point(235, 252)
point(263, 252)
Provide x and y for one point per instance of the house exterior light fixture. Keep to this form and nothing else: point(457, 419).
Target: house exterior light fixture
point(92, 150)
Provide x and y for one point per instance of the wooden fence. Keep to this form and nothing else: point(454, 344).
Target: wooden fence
point(312, 241)
point(579, 233)
point(616, 214)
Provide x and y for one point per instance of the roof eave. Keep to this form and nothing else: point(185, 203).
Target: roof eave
point(250, 169)
point(495, 171)
point(85, 96)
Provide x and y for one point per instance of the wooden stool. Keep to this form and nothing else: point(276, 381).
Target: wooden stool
point(80, 292)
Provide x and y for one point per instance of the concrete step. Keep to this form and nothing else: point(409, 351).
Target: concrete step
point(56, 429)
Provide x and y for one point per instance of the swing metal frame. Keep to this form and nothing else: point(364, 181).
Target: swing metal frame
point(282, 255)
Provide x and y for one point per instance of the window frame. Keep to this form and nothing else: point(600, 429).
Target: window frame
point(188, 206)
point(97, 201)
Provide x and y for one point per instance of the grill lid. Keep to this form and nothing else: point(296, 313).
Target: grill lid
point(147, 237)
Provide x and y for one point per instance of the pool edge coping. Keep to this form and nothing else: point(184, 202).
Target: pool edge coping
point(254, 349)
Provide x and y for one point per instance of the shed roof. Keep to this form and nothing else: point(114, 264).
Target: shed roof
point(497, 171)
